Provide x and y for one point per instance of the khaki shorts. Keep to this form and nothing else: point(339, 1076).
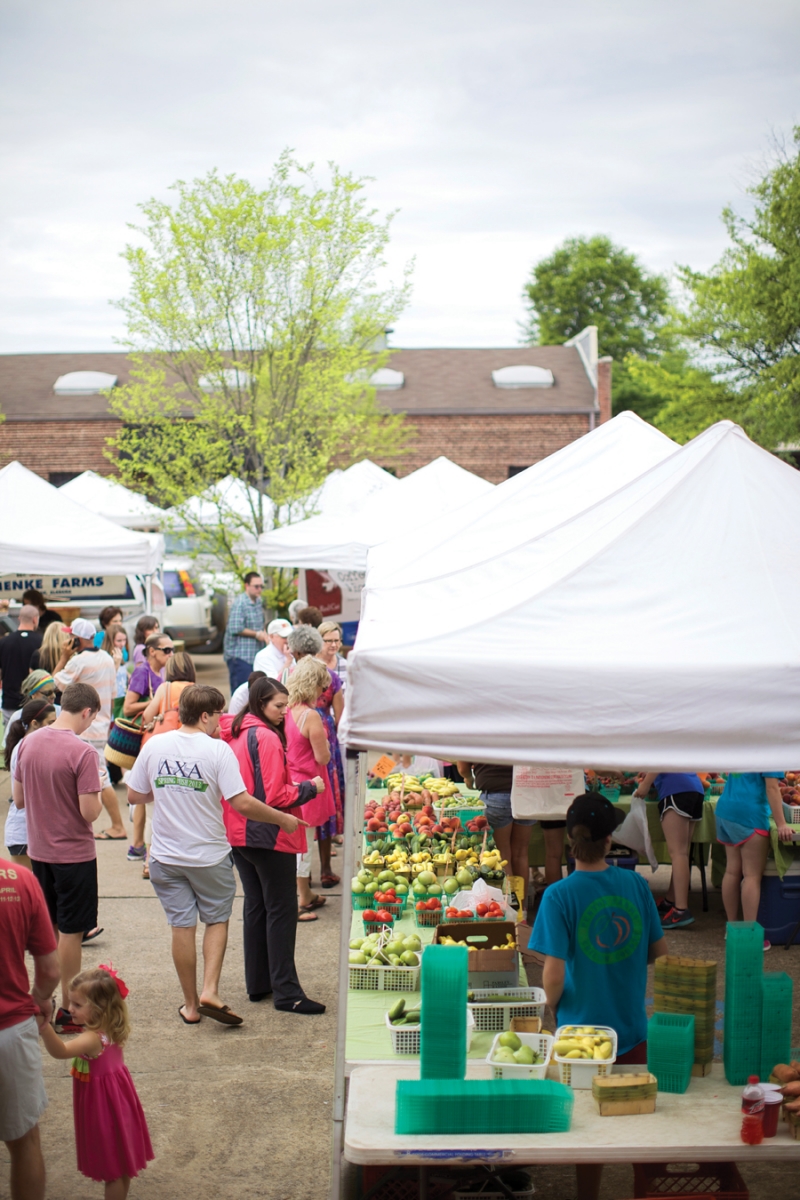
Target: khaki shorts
point(22, 1095)
point(188, 892)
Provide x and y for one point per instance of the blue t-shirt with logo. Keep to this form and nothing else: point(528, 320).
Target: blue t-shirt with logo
point(602, 923)
point(672, 784)
point(744, 800)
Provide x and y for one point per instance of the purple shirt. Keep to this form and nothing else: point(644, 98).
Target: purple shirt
point(144, 681)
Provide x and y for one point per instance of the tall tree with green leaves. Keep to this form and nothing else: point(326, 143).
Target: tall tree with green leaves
point(744, 313)
point(592, 281)
point(253, 319)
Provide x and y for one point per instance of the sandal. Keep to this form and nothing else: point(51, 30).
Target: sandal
point(304, 917)
point(329, 881)
point(105, 836)
point(316, 902)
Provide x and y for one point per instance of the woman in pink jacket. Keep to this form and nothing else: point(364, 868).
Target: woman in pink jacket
point(265, 856)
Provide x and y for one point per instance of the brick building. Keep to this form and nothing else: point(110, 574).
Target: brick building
point(492, 411)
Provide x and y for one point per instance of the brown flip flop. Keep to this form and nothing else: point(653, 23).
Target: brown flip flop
point(223, 1014)
point(317, 902)
point(304, 916)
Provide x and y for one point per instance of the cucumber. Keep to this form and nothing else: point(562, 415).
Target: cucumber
point(412, 1018)
point(397, 1010)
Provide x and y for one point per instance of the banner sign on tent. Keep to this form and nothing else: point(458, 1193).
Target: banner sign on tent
point(337, 594)
point(67, 588)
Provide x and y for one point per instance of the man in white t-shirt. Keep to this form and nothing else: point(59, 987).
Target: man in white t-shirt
point(274, 659)
point(188, 773)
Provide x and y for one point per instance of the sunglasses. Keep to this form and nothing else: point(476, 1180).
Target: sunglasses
point(165, 649)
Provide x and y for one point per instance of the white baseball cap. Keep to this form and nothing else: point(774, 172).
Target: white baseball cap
point(280, 626)
point(83, 629)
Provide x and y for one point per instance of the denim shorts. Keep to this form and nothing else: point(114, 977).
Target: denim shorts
point(498, 810)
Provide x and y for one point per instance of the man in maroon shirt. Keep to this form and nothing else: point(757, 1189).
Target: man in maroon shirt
point(24, 925)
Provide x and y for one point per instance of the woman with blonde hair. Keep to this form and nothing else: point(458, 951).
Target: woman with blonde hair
point(308, 751)
point(56, 638)
point(330, 707)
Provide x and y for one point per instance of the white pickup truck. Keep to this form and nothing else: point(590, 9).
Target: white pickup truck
point(184, 608)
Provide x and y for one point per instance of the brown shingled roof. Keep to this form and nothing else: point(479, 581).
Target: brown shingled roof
point(436, 381)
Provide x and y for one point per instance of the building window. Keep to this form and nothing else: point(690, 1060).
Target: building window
point(512, 471)
point(57, 478)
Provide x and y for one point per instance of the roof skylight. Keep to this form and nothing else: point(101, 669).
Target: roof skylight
point(523, 376)
point(84, 383)
point(387, 380)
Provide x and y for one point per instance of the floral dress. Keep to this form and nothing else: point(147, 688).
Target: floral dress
point(335, 824)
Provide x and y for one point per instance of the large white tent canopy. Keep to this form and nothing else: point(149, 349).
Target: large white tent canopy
point(110, 498)
point(341, 541)
point(538, 498)
point(45, 532)
point(660, 628)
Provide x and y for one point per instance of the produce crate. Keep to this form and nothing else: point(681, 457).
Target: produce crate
point(496, 1017)
point(382, 979)
point(429, 917)
point(670, 1050)
point(689, 1180)
point(579, 1073)
point(405, 1038)
point(395, 909)
point(377, 926)
point(791, 813)
point(456, 1106)
point(540, 1043)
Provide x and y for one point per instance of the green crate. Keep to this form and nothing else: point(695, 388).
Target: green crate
point(776, 1021)
point(670, 1050)
point(443, 1042)
point(458, 1106)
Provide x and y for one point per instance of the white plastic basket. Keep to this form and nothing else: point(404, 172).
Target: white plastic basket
point(791, 813)
point(522, 1002)
point(405, 1038)
point(382, 979)
point(540, 1043)
point(579, 1072)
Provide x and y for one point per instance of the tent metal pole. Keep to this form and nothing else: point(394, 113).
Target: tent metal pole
point(355, 781)
point(148, 593)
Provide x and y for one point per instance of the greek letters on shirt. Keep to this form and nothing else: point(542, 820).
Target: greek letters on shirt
point(180, 773)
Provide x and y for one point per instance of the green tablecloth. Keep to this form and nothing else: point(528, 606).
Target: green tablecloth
point(705, 831)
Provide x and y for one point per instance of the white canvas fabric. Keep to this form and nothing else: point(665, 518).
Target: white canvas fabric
point(658, 628)
point(113, 500)
point(45, 532)
point(341, 541)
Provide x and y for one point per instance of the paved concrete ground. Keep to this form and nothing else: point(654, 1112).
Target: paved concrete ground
point(232, 1112)
point(241, 1113)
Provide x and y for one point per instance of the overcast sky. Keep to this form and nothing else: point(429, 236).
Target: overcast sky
point(496, 128)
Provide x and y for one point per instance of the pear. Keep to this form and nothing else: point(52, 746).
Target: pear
point(524, 1056)
point(503, 1055)
point(409, 958)
point(395, 948)
point(357, 958)
point(357, 943)
point(412, 942)
point(464, 878)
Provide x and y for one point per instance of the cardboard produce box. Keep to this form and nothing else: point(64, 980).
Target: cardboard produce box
point(488, 968)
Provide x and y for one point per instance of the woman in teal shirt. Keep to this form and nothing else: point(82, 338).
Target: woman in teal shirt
point(743, 813)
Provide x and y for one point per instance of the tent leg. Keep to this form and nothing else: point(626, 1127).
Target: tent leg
point(355, 779)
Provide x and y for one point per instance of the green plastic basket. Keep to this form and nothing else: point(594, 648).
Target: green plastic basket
point(443, 1043)
point(670, 1050)
point(459, 1106)
point(776, 1021)
point(428, 917)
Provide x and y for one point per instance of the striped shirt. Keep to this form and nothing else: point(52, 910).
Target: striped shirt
point(244, 614)
point(96, 668)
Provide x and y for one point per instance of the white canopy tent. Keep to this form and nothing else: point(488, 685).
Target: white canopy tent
point(658, 628)
point(110, 498)
point(345, 490)
point(538, 498)
point(341, 541)
point(45, 532)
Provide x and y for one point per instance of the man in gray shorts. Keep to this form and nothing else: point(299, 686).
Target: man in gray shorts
point(188, 772)
point(24, 925)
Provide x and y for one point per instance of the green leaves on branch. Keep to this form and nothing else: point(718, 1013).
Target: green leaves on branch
point(254, 317)
point(591, 281)
point(745, 312)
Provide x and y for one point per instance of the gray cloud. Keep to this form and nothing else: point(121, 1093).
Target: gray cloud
point(496, 129)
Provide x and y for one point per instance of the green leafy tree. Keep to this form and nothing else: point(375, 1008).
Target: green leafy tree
point(745, 311)
point(681, 399)
point(253, 318)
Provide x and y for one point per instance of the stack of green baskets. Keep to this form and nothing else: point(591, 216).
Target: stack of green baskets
point(744, 968)
point(443, 1022)
point(670, 1050)
point(776, 1021)
point(689, 985)
point(431, 1106)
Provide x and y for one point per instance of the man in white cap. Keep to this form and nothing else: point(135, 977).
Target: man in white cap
point(275, 658)
point(83, 662)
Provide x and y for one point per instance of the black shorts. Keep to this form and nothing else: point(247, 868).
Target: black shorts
point(685, 804)
point(70, 890)
point(553, 824)
point(17, 851)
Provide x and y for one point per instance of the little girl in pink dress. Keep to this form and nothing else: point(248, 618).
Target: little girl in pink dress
point(111, 1135)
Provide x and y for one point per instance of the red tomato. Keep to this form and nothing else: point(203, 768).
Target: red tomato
point(370, 915)
point(421, 906)
point(433, 904)
point(482, 910)
point(384, 916)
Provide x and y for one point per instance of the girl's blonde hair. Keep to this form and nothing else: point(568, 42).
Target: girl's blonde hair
point(110, 1012)
point(309, 678)
point(53, 642)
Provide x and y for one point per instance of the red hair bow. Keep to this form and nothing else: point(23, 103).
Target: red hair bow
point(121, 985)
